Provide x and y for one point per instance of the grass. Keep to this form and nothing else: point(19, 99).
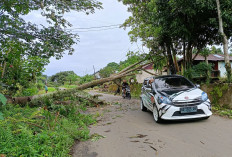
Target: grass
point(50, 89)
point(225, 112)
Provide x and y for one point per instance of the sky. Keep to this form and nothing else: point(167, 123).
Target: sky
point(96, 48)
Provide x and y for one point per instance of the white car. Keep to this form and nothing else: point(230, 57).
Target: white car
point(173, 97)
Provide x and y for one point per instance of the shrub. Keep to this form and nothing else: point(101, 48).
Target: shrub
point(200, 70)
point(40, 86)
point(86, 78)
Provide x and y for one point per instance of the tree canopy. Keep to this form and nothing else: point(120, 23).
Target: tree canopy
point(25, 48)
point(63, 77)
point(43, 41)
point(171, 27)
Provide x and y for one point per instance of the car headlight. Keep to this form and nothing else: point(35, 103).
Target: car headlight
point(165, 100)
point(204, 96)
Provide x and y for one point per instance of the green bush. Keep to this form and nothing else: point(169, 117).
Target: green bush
point(136, 90)
point(40, 85)
point(86, 79)
point(200, 70)
point(30, 91)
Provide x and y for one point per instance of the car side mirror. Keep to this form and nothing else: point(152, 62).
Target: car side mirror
point(198, 86)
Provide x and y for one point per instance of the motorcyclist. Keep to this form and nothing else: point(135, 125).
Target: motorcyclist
point(124, 85)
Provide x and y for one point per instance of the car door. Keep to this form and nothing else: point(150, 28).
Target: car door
point(149, 95)
point(143, 93)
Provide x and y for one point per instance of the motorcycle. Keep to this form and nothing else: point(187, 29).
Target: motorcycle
point(126, 93)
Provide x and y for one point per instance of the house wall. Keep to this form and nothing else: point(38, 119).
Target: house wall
point(97, 75)
point(221, 67)
point(141, 76)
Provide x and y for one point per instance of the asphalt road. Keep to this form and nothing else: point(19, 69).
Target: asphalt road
point(129, 132)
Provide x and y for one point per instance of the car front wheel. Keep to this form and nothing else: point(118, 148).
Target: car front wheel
point(156, 114)
point(143, 108)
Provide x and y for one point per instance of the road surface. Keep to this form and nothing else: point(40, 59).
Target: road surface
point(129, 132)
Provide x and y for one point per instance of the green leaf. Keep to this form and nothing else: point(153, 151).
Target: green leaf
point(1, 116)
point(3, 99)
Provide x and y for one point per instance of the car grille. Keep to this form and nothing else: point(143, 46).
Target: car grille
point(187, 103)
point(199, 111)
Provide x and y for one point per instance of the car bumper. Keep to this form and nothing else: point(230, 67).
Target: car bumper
point(173, 112)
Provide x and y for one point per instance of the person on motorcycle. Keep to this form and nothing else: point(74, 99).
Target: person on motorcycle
point(124, 85)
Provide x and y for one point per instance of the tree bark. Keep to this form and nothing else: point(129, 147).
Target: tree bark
point(174, 58)
point(189, 55)
point(131, 66)
point(101, 81)
point(125, 72)
point(225, 42)
point(149, 72)
point(198, 51)
point(170, 60)
point(184, 52)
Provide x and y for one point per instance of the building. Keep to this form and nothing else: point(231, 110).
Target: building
point(217, 60)
point(97, 75)
point(148, 71)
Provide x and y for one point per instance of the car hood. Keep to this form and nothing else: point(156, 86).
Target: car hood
point(190, 94)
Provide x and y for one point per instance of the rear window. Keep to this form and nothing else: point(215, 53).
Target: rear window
point(169, 83)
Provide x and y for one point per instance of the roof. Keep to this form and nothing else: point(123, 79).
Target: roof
point(149, 66)
point(211, 57)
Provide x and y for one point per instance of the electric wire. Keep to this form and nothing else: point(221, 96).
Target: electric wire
point(95, 27)
point(96, 30)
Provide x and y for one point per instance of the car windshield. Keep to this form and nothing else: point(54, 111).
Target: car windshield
point(172, 83)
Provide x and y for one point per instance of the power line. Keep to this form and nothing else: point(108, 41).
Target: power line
point(95, 27)
point(96, 30)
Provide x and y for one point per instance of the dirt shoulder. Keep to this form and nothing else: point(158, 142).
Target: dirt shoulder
point(129, 132)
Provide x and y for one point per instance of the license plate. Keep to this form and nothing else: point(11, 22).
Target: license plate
point(188, 109)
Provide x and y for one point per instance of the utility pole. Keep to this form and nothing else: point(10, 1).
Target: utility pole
point(94, 72)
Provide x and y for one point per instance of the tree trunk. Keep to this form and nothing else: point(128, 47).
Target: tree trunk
point(189, 55)
point(206, 60)
point(101, 81)
point(149, 72)
point(225, 42)
point(207, 72)
point(170, 60)
point(4, 65)
point(125, 72)
point(184, 53)
point(174, 59)
point(127, 68)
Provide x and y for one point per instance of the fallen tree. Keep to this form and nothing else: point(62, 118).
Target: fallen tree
point(128, 71)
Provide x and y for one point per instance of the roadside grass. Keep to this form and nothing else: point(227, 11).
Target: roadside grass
point(225, 112)
point(50, 89)
point(45, 127)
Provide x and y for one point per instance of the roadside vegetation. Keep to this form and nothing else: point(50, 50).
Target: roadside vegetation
point(46, 126)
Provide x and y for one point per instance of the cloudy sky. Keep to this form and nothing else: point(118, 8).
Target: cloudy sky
point(96, 47)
